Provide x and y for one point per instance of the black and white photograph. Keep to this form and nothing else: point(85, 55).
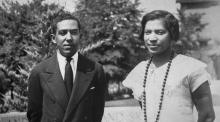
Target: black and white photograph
point(109, 61)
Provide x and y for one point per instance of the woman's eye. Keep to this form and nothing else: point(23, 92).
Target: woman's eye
point(147, 32)
point(160, 32)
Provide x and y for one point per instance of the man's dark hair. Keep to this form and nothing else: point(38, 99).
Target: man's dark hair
point(63, 16)
point(170, 23)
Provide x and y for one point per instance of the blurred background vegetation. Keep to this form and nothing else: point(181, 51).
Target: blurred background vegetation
point(109, 36)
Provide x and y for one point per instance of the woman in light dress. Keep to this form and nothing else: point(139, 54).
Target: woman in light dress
point(168, 85)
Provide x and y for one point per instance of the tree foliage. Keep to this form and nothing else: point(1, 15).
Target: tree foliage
point(25, 41)
point(114, 23)
point(191, 26)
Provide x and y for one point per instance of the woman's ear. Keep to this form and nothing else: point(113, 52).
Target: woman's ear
point(53, 38)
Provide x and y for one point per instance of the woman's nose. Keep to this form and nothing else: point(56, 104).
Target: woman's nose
point(152, 37)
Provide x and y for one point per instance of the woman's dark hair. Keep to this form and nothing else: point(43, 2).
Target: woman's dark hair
point(63, 16)
point(170, 22)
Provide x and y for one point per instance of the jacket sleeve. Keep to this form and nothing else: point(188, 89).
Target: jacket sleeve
point(35, 97)
point(101, 85)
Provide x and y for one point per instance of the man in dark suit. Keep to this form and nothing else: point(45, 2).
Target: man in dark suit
point(66, 87)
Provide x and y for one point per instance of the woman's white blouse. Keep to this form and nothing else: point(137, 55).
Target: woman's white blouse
point(185, 76)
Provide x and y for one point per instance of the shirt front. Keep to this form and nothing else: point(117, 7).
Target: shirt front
point(62, 63)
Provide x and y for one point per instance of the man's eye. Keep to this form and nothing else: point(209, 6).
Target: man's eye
point(62, 32)
point(74, 32)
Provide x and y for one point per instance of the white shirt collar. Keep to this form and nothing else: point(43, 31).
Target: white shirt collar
point(62, 58)
point(62, 63)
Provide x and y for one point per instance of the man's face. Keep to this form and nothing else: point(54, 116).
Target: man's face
point(67, 37)
point(156, 37)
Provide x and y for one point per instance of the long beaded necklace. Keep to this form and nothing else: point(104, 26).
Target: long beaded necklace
point(162, 90)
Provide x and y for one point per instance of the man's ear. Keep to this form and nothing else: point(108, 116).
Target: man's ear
point(53, 38)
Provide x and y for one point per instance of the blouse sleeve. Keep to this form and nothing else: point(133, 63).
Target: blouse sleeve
point(135, 78)
point(198, 77)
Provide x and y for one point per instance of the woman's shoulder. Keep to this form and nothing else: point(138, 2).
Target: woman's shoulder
point(187, 61)
point(135, 78)
point(136, 73)
point(141, 64)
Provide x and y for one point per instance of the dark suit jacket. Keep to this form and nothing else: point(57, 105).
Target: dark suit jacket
point(48, 100)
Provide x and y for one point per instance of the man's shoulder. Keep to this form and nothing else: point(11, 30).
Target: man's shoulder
point(45, 63)
point(88, 63)
point(86, 60)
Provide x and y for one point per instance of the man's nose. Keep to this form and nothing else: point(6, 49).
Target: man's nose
point(68, 36)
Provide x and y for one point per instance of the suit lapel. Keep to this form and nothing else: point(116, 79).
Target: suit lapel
point(84, 75)
point(55, 82)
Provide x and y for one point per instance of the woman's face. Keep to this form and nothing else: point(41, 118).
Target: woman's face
point(157, 37)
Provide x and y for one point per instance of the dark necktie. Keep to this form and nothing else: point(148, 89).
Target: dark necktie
point(68, 78)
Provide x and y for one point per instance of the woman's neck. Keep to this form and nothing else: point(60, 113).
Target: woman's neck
point(162, 58)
